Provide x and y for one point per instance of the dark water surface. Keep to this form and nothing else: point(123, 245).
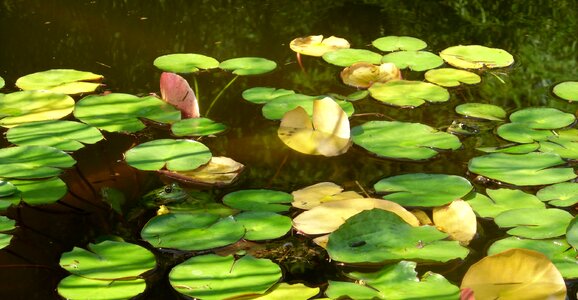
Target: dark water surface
point(120, 40)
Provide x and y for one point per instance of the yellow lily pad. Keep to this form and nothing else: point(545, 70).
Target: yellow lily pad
point(456, 219)
point(316, 45)
point(313, 195)
point(363, 75)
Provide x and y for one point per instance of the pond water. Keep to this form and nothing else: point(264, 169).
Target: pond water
point(120, 39)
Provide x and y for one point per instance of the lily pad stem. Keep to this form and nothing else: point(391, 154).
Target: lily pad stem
point(219, 95)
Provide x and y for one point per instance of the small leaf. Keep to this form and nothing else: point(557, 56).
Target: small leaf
point(248, 65)
point(395, 43)
point(262, 95)
point(451, 77)
point(567, 90)
point(347, 57)
point(258, 200)
point(185, 62)
point(535, 223)
point(562, 194)
point(482, 111)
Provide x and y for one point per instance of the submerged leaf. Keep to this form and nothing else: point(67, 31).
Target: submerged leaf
point(176, 91)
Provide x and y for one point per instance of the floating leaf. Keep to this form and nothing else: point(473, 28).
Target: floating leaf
point(415, 60)
point(515, 272)
point(572, 233)
point(521, 133)
point(262, 95)
point(363, 75)
point(314, 195)
point(258, 200)
point(407, 93)
point(347, 57)
point(522, 169)
point(77, 287)
point(423, 189)
point(565, 146)
point(456, 219)
point(197, 127)
point(248, 65)
point(31, 162)
point(397, 281)
point(176, 91)
point(376, 235)
point(37, 192)
point(7, 188)
point(327, 133)
point(316, 45)
point(535, 223)
point(213, 277)
point(562, 194)
point(263, 225)
point(395, 43)
point(121, 112)
point(278, 107)
point(512, 149)
point(476, 57)
point(542, 118)
point(283, 290)
point(63, 135)
point(2, 82)
point(6, 223)
point(219, 171)
point(567, 90)
point(65, 81)
point(502, 200)
point(30, 106)
point(401, 140)
point(174, 155)
point(452, 77)
point(185, 62)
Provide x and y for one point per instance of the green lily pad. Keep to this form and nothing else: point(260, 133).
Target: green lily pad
point(31, 162)
point(65, 81)
point(535, 223)
point(7, 188)
point(262, 95)
point(2, 82)
point(401, 140)
point(197, 127)
point(476, 57)
point(36, 192)
point(263, 225)
point(572, 233)
point(521, 133)
point(6, 223)
point(406, 93)
point(563, 146)
point(557, 250)
point(174, 155)
point(522, 169)
point(347, 57)
point(397, 281)
point(395, 43)
point(452, 77)
point(415, 60)
point(30, 106)
point(502, 200)
point(512, 149)
point(562, 194)
point(481, 111)
point(185, 62)
point(248, 65)
point(176, 230)
point(116, 112)
point(5, 240)
point(567, 90)
point(375, 236)
point(282, 291)
point(276, 108)
point(213, 277)
point(77, 287)
point(542, 118)
point(63, 135)
point(108, 260)
point(259, 200)
point(421, 189)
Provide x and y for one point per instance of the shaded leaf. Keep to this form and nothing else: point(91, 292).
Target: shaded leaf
point(197, 127)
point(262, 95)
point(258, 200)
point(28, 162)
point(63, 135)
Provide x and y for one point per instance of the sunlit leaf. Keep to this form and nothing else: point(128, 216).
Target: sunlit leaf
point(248, 65)
point(316, 45)
point(263, 225)
point(521, 133)
point(185, 62)
point(562, 194)
point(535, 223)
point(65, 81)
point(262, 95)
point(572, 233)
point(395, 43)
point(414, 60)
point(313, 195)
point(259, 200)
point(502, 200)
point(219, 171)
point(31, 106)
point(451, 77)
point(30, 162)
point(174, 155)
point(476, 57)
point(406, 93)
point(197, 127)
point(2, 82)
point(279, 106)
point(482, 111)
point(567, 90)
point(37, 192)
point(456, 219)
point(6, 223)
point(347, 57)
point(363, 75)
point(64, 135)
point(283, 291)
point(512, 148)
point(77, 287)
point(176, 91)
point(542, 118)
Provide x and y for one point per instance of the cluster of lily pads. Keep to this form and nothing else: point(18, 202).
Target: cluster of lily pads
point(419, 217)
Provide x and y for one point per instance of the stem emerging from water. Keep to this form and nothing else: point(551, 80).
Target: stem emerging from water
point(220, 94)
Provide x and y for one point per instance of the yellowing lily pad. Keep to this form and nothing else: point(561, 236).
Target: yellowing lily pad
point(283, 290)
point(313, 195)
point(456, 219)
point(279, 106)
point(406, 93)
point(395, 43)
point(65, 81)
point(31, 106)
point(567, 90)
point(476, 57)
point(451, 77)
point(363, 75)
point(501, 200)
point(316, 45)
point(219, 171)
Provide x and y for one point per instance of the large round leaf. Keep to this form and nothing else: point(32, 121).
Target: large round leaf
point(262, 95)
point(185, 62)
point(415, 60)
point(37, 192)
point(77, 287)
point(213, 277)
point(542, 118)
point(567, 90)
point(197, 127)
point(192, 231)
point(347, 57)
point(27, 162)
point(535, 223)
point(521, 133)
point(121, 112)
point(376, 235)
point(174, 155)
point(522, 169)
point(423, 189)
point(451, 77)
point(259, 200)
point(65, 81)
point(476, 57)
point(263, 225)
point(316, 45)
point(562, 194)
point(30, 106)
point(248, 65)
point(63, 135)
point(502, 200)
point(395, 43)
point(408, 93)
point(403, 140)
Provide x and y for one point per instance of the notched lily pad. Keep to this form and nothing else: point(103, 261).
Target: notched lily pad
point(277, 107)
point(562, 194)
point(363, 75)
point(535, 223)
point(185, 62)
point(263, 225)
point(476, 57)
point(451, 77)
point(395, 43)
point(414, 60)
point(77, 287)
point(248, 65)
point(219, 171)
point(174, 155)
point(31, 106)
point(347, 57)
point(542, 118)
point(262, 95)
point(65, 81)
point(197, 127)
point(567, 90)
point(501, 200)
point(33, 162)
point(63, 135)
point(316, 45)
point(35, 192)
point(407, 93)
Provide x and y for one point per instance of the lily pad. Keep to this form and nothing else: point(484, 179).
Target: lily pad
point(572, 233)
point(219, 171)
point(502, 200)
point(77, 287)
point(414, 60)
point(401, 140)
point(185, 62)
point(197, 127)
point(567, 90)
point(281, 291)
point(564, 146)
point(6, 223)
point(316, 45)
point(121, 112)
point(7, 188)
point(458, 220)
point(375, 236)
point(262, 95)
point(476, 57)
point(263, 225)
point(512, 148)
point(258, 200)
point(542, 118)
point(248, 65)
point(347, 57)
point(213, 277)
point(277, 107)
point(319, 193)
point(521, 133)
point(174, 155)
point(30, 106)
point(33, 162)
point(397, 281)
point(535, 223)
point(36, 192)
point(406, 93)
point(451, 77)
point(562, 194)
point(522, 169)
point(65, 81)
point(2, 82)
point(421, 189)
point(363, 75)
point(63, 135)
point(395, 43)
point(175, 231)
